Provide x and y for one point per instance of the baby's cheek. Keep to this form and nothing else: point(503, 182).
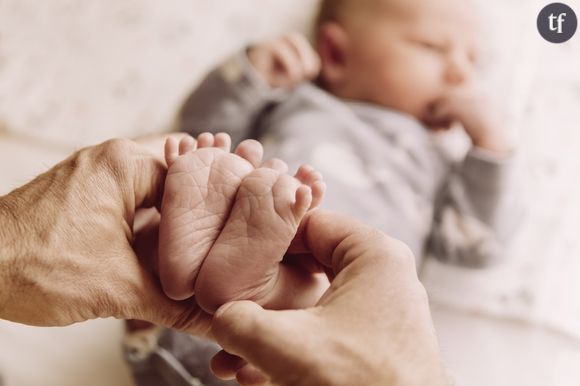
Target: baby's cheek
point(423, 86)
point(398, 89)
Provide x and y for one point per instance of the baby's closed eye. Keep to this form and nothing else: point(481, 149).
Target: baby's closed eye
point(431, 45)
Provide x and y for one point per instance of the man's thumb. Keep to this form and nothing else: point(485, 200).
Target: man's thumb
point(267, 339)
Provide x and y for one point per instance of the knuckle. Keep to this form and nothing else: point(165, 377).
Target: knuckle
point(116, 154)
point(401, 248)
point(401, 252)
point(385, 249)
point(115, 147)
point(79, 159)
point(391, 244)
point(421, 293)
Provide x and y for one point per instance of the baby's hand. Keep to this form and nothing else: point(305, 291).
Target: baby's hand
point(286, 61)
point(481, 120)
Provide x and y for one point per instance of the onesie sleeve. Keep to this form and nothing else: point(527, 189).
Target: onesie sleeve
point(478, 211)
point(229, 100)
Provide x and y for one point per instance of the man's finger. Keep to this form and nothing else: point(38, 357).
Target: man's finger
point(251, 376)
point(146, 238)
point(322, 231)
point(150, 155)
point(225, 365)
point(267, 339)
point(153, 306)
point(148, 180)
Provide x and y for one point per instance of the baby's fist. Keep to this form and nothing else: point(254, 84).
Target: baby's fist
point(475, 111)
point(286, 61)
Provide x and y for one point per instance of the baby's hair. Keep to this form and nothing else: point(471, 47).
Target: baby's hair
point(335, 10)
point(329, 10)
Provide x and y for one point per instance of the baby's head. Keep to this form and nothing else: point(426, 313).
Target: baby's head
point(401, 54)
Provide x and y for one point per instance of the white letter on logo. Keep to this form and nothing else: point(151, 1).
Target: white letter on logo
point(560, 22)
point(552, 18)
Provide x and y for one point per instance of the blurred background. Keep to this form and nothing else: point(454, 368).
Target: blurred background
point(76, 72)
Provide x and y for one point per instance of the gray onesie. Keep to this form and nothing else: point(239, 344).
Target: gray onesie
point(380, 166)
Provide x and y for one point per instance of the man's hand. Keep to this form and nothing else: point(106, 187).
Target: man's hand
point(469, 105)
point(285, 62)
point(67, 243)
point(372, 327)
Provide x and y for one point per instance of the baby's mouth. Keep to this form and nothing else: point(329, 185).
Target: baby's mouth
point(439, 125)
point(436, 122)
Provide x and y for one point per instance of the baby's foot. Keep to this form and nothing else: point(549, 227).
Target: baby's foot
point(244, 262)
point(202, 180)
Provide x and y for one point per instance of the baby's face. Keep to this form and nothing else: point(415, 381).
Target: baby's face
point(410, 53)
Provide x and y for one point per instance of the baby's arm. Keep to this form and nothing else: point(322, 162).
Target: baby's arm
point(481, 206)
point(232, 97)
point(479, 210)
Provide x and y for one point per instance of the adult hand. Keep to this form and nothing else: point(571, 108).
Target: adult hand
point(286, 61)
point(67, 243)
point(372, 327)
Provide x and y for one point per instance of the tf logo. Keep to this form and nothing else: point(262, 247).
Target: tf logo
point(557, 23)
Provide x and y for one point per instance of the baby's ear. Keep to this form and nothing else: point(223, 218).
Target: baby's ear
point(332, 44)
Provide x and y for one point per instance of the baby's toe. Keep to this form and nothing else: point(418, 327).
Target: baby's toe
point(312, 178)
point(187, 145)
point(171, 151)
point(223, 141)
point(318, 190)
point(252, 151)
point(303, 201)
point(205, 140)
point(285, 193)
point(308, 175)
point(276, 164)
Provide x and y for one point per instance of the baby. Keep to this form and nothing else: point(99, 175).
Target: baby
point(226, 222)
point(391, 76)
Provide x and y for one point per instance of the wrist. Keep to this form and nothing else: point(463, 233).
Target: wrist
point(8, 236)
point(499, 144)
point(257, 67)
point(16, 254)
point(487, 133)
point(487, 136)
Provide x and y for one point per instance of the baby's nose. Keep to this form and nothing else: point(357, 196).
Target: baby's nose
point(459, 68)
